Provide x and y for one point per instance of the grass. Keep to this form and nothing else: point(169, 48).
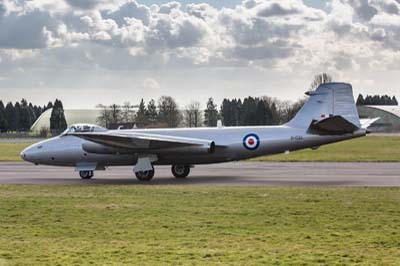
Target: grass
point(150, 225)
point(367, 149)
point(9, 152)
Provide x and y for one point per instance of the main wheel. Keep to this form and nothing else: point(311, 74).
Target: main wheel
point(86, 174)
point(145, 175)
point(180, 170)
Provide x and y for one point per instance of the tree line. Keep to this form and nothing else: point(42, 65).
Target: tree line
point(165, 112)
point(19, 117)
point(376, 100)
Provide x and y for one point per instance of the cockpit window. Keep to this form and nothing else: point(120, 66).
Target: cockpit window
point(81, 128)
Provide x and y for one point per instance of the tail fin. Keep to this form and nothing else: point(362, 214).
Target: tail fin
point(328, 100)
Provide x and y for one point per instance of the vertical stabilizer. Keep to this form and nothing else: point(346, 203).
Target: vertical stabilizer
point(328, 100)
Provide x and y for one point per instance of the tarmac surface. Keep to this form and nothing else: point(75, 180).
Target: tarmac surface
point(227, 174)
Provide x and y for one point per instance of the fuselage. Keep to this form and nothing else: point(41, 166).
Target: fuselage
point(232, 144)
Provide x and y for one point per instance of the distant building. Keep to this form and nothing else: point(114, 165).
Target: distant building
point(73, 116)
point(389, 117)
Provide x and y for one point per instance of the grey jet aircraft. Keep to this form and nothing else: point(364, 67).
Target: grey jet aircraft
point(329, 116)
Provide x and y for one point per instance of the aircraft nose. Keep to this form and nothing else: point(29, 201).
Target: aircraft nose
point(26, 154)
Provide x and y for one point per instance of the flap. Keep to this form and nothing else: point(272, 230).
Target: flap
point(335, 125)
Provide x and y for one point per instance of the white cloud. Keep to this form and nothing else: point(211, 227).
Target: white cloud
point(151, 84)
point(286, 36)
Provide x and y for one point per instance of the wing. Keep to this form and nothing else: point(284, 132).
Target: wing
point(143, 142)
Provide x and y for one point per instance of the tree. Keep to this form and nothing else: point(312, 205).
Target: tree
point(320, 79)
point(295, 108)
point(376, 100)
point(25, 119)
point(360, 100)
point(248, 112)
point(127, 113)
point(16, 116)
point(141, 118)
point(3, 119)
point(211, 114)
point(394, 101)
point(263, 115)
point(105, 117)
point(168, 112)
point(49, 106)
point(58, 122)
point(151, 112)
point(227, 115)
point(115, 113)
point(193, 115)
point(274, 114)
point(9, 115)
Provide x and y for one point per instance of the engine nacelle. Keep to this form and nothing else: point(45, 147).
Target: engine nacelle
point(92, 147)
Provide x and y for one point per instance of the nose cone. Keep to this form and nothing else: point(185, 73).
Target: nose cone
point(26, 154)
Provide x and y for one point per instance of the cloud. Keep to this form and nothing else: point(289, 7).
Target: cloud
point(281, 8)
point(269, 34)
point(25, 30)
point(84, 4)
point(150, 84)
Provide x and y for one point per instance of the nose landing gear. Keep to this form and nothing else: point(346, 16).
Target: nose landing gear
point(86, 174)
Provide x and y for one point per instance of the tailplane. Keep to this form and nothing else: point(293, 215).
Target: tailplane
point(330, 109)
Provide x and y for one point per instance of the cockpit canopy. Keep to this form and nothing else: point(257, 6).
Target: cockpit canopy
point(83, 128)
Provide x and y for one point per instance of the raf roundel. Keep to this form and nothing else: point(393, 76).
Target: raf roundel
point(251, 141)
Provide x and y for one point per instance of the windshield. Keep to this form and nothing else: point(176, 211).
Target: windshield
point(83, 128)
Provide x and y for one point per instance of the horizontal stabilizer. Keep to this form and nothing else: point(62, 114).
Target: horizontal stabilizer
point(366, 123)
point(335, 125)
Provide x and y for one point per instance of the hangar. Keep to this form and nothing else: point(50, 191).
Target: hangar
point(73, 116)
point(389, 117)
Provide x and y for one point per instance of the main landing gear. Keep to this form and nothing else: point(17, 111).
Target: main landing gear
point(145, 175)
point(86, 174)
point(180, 170)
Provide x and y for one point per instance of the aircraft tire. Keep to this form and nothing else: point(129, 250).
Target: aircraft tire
point(145, 175)
point(180, 170)
point(86, 174)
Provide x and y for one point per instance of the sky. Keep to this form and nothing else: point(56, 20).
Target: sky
point(87, 52)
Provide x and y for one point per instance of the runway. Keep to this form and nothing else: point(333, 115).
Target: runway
point(228, 174)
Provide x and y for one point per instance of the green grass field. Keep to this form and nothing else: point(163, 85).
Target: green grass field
point(368, 149)
point(9, 152)
point(150, 225)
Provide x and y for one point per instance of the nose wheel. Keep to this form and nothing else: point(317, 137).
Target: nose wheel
point(86, 174)
point(145, 175)
point(180, 170)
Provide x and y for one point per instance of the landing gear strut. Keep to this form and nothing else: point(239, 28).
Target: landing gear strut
point(180, 170)
point(145, 175)
point(86, 174)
